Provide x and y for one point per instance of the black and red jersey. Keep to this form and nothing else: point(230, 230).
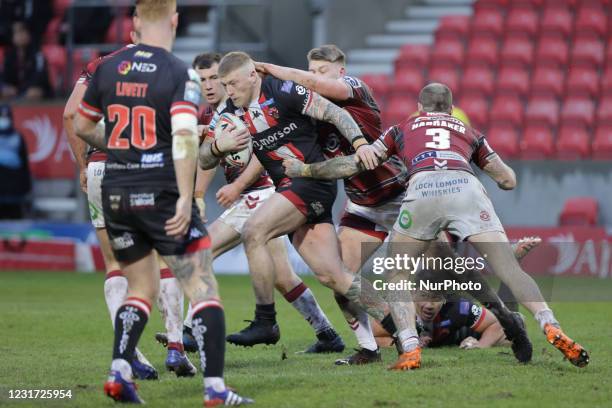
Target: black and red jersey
point(368, 188)
point(209, 117)
point(93, 154)
point(137, 91)
point(279, 127)
point(457, 319)
point(436, 141)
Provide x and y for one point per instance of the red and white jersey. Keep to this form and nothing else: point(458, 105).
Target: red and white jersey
point(209, 117)
point(434, 141)
point(93, 154)
point(369, 188)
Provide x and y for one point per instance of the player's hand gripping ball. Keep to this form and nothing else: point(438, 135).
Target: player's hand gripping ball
point(241, 157)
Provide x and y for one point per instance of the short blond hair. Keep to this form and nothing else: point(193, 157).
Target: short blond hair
point(232, 61)
point(153, 10)
point(327, 52)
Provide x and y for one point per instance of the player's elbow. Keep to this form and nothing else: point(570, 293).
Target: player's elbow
point(69, 113)
point(507, 181)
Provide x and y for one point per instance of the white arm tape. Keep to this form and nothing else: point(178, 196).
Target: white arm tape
point(183, 145)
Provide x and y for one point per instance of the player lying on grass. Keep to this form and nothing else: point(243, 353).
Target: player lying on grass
point(445, 319)
point(279, 117)
point(374, 196)
point(91, 163)
point(437, 150)
point(149, 99)
point(246, 189)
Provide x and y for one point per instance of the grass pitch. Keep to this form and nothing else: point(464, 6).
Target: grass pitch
point(56, 334)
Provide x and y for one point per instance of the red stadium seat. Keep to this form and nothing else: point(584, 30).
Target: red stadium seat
point(557, 20)
point(477, 109)
point(80, 57)
point(477, 79)
point(488, 21)
point(606, 81)
point(523, 20)
point(448, 51)
point(504, 140)
point(445, 75)
point(378, 83)
point(573, 143)
point(537, 143)
point(513, 80)
point(591, 20)
point(552, 51)
point(583, 81)
point(517, 50)
point(2, 50)
point(602, 144)
point(412, 55)
point(588, 51)
point(52, 32)
point(491, 4)
point(123, 24)
point(581, 211)
point(543, 109)
point(56, 61)
point(507, 109)
point(455, 27)
point(407, 81)
point(398, 108)
point(577, 110)
point(604, 111)
point(548, 81)
point(482, 50)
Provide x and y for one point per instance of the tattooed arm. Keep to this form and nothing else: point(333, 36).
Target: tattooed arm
point(91, 132)
point(332, 169)
point(322, 109)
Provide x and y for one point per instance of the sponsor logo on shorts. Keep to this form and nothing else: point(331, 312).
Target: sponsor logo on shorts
point(124, 241)
point(484, 215)
point(195, 233)
point(317, 207)
point(252, 201)
point(115, 200)
point(140, 200)
point(405, 219)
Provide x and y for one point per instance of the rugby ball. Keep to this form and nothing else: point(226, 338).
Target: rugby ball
point(237, 159)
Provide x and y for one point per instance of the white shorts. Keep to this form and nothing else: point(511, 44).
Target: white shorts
point(238, 214)
point(95, 174)
point(374, 221)
point(450, 200)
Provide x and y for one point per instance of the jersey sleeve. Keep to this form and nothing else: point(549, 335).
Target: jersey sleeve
point(358, 89)
point(87, 72)
point(292, 96)
point(187, 94)
point(388, 141)
point(467, 314)
point(91, 106)
point(483, 152)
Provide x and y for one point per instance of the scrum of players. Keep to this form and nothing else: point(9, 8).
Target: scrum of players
point(283, 136)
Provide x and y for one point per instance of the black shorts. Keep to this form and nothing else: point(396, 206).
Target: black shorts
point(313, 198)
point(135, 220)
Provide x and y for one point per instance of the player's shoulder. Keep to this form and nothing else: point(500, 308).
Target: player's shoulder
point(354, 82)
point(276, 86)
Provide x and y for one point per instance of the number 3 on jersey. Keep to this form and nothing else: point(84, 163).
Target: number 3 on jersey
point(143, 127)
point(440, 138)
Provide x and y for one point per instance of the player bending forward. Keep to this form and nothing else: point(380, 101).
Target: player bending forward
point(149, 100)
point(279, 117)
point(438, 149)
point(91, 164)
point(246, 189)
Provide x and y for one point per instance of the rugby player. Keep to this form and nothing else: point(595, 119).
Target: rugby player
point(246, 188)
point(149, 100)
point(448, 319)
point(278, 115)
point(438, 149)
point(91, 171)
point(375, 197)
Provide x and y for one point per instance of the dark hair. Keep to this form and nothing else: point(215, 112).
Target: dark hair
point(327, 52)
point(206, 60)
point(436, 97)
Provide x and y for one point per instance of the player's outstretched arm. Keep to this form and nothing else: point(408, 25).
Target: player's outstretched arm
point(491, 333)
point(89, 131)
point(335, 89)
point(332, 169)
point(499, 171)
point(322, 109)
point(78, 146)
